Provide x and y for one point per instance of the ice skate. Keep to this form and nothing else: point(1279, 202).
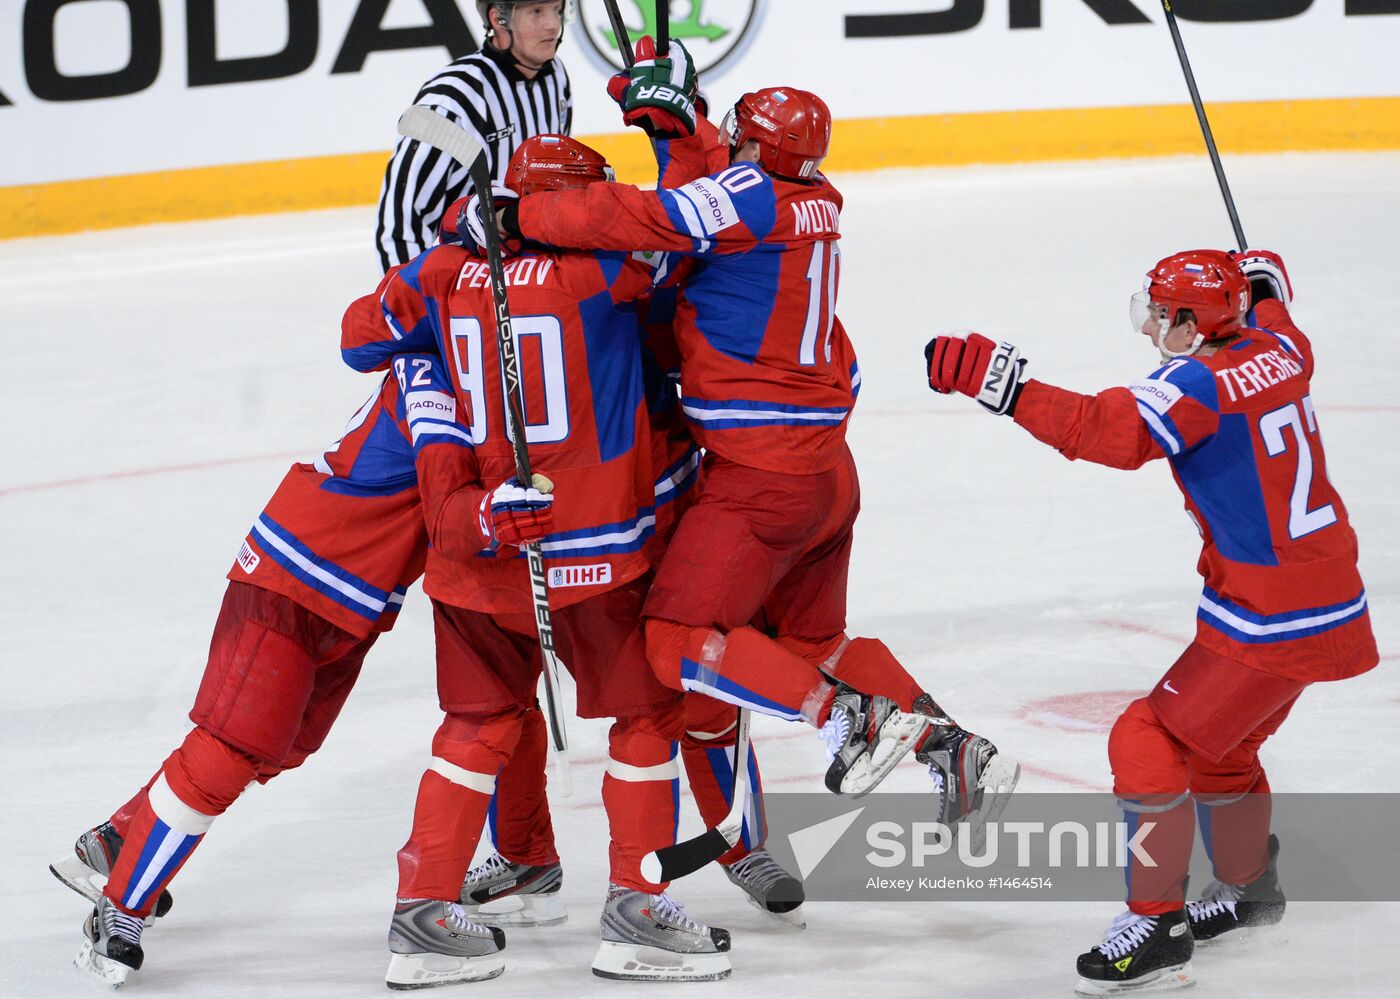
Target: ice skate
point(867, 735)
point(649, 938)
point(1224, 908)
point(112, 948)
point(1139, 954)
point(434, 943)
point(768, 887)
point(504, 893)
point(974, 782)
point(89, 866)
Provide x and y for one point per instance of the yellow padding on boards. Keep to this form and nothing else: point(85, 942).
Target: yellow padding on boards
point(1362, 124)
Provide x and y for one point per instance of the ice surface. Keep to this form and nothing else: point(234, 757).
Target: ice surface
point(162, 378)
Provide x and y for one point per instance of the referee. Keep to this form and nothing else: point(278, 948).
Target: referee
point(513, 88)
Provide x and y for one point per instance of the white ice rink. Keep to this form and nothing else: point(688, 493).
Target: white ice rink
point(161, 379)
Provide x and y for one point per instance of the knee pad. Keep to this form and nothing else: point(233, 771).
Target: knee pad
point(709, 723)
point(208, 774)
point(471, 749)
point(1146, 759)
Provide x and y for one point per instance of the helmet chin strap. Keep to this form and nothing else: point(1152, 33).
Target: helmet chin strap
point(1160, 341)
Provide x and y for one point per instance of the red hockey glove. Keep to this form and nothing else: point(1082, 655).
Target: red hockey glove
point(1267, 276)
point(471, 221)
point(658, 94)
point(513, 515)
point(977, 367)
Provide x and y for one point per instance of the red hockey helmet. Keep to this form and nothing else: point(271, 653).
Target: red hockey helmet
point(1207, 282)
point(792, 128)
point(555, 163)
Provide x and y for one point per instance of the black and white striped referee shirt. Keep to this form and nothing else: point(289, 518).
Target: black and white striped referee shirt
point(484, 93)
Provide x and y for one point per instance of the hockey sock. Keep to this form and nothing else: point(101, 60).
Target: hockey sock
point(1234, 828)
point(197, 784)
point(453, 796)
point(1150, 778)
point(744, 668)
point(710, 730)
point(520, 824)
point(641, 793)
point(866, 664)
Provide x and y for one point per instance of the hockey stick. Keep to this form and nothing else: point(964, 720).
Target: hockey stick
point(663, 27)
point(1205, 125)
point(624, 40)
point(680, 859)
point(427, 126)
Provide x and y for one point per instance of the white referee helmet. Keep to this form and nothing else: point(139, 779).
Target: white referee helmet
point(505, 7)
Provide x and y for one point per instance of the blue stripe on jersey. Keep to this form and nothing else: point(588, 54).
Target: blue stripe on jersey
point(855, 379)
point(1162, 429)
point(1248, 626)
point(1223, 481)
point(321, 575)
point(684, 220)
point(734, 299)
point(611, 264)
point(677, 479)
point(699, 678)
point(605, 539)
point(369, 356)
point(757, 205)
point(384, 465)
point(610, 338)
point(1287, 342)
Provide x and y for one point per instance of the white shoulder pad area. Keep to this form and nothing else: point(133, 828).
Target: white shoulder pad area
point(1157, 394)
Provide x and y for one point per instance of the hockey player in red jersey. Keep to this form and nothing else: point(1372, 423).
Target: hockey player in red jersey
point(1283, 606)
point(594, 507)
point(749, 602)
point(319, 577)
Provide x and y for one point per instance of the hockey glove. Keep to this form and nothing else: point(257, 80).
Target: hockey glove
point(658, 94)
point(452, 231)
point(510, 514)
point(988, 372)
point(1267, 276)
point(472, 223)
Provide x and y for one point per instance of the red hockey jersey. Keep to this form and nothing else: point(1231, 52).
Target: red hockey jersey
point(768, 376)
point(586, 415)
point(343, 536)
point(1282, 590)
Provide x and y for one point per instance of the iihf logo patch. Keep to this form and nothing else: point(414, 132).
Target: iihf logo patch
point(248, 559)
point(580, 575)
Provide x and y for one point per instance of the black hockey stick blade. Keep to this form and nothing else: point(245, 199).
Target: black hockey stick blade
point(426, 125)
point(680, 859)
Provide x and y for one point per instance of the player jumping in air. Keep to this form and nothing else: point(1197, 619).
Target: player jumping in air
point(1231, 410)
point(749, 602)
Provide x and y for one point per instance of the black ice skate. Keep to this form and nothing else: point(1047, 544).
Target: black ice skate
point(112, 950)
point(867, 735)
point(972, 779)
point(1223, 907)
point(1139, 954)
point(768, 886)
point(503, 893)
point(87, 869)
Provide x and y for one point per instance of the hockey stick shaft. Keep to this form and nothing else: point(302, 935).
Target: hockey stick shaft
point(679, 859)
point(426, 125)
point(663, 27)
point(1205, 124)
point(624, 40)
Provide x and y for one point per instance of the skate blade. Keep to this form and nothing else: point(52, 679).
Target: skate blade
point(80, 877)
point(427, 971)
point(1178, 976)
point(632, 963)
point(99, 970)
point(795, 918)
point(994, 788)
point(899, 734)
point(519, 910)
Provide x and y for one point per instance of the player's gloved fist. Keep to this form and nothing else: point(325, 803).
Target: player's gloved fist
point(511, 514)
point(659, 97)
point(451, 231)
point(474, 226)
point(975, 366)
point(1267, 276)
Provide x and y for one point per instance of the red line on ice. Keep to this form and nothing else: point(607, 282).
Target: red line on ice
point(194, 466)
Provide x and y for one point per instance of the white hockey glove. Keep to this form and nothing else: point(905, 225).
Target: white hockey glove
point(1267, 276)
point(476, 229)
